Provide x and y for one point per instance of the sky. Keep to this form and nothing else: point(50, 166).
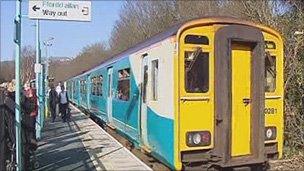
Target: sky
point(69, 36)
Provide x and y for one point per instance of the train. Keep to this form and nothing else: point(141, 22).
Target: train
point(206, 93)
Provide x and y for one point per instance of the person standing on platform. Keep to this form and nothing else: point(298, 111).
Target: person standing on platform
point(64, 103)
point(58, 90)
point(31, 109)
point(53, 96)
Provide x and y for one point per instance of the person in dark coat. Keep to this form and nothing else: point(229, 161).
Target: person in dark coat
point(30, 109)
point(53, 100)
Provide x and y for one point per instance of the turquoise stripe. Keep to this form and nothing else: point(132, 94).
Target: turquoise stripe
point(160, 137)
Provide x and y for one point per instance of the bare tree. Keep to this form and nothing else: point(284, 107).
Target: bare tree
point(89, 57)
point(140, 20)
point(27, 64)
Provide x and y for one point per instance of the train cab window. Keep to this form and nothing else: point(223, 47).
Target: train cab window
point(197, 40)
point(196, 71)
point(155, 79)
point(270, 73)
point(123, 87)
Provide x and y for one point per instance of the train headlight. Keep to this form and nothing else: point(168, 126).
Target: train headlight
point(198, 138)
point(270, 133)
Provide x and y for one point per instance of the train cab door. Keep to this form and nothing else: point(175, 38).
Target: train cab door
point(241, 98)
point(143, 100)
point(110, 95)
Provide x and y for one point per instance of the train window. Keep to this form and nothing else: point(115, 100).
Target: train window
point(99, 85)
point(123, 87)
point(270, 73)
point(81, 86)
point(74, 87)
point(82, 89)
point(93, 86)
point(84, 86)
point(197, 39)
point(155, 79)
point(145, 83)
point(196, 71)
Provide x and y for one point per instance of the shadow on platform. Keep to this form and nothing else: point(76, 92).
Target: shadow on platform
point(61, 147)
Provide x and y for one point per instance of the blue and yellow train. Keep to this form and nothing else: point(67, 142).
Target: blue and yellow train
point(206, 93)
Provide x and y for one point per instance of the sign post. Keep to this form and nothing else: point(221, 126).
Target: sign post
point(60, 10)
point(38, 71)
point(17, 40)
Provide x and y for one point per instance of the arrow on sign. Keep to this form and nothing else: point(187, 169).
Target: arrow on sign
point(35, 8)
point(85, 10)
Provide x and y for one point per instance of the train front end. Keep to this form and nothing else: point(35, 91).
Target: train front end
point(229, 108)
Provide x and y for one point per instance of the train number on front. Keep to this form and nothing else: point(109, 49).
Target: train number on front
point(270, 111)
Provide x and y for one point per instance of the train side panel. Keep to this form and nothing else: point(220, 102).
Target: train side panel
point(159, 118)
point(97, 93)
point(125, 109)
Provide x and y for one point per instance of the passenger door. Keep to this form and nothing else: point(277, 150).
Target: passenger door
point(143, 100)
point(110, 95)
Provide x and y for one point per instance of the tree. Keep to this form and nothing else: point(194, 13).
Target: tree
point(27, 64)
point(143, 19)
point(89, 57)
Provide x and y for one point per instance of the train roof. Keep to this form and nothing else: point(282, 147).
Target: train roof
point(150, 41)
point(176, 30)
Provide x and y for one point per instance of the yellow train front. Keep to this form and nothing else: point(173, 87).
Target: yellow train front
point(229, 94)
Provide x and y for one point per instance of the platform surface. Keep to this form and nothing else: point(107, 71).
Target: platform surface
point(81, 144)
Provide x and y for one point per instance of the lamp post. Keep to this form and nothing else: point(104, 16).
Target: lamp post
point(47, 43)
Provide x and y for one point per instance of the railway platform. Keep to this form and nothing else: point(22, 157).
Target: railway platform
point(81, 144)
